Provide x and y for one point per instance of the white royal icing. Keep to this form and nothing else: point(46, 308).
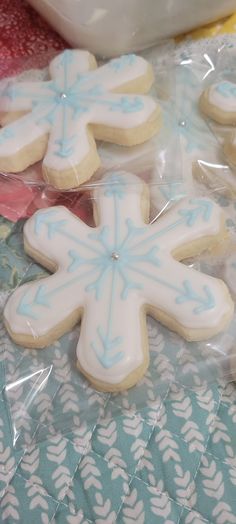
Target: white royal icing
point(230, 273)
point(75, 97)
point(223, 95)
point(115, 269)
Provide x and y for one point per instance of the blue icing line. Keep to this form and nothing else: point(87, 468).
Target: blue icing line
point(76, 261)
point(187, 294)
point(105, 346)
point(115, 186)
point(66, 57)
point(127, 104)
point(40, 219)
point(107, 343)
point(66, 145)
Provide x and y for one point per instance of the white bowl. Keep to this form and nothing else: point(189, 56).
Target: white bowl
point(113, 27)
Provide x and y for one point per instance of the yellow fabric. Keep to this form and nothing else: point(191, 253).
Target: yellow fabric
point(227, 25)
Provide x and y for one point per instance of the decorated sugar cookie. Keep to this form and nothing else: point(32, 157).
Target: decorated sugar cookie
point(112, 275)
point(219, 102)
point(66, 114)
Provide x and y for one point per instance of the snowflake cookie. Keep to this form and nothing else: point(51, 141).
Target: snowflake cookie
point(62, 117)
point(112, 275)
point(219, 102)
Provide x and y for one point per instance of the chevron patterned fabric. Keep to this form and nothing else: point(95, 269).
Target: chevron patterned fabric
point(173, 460)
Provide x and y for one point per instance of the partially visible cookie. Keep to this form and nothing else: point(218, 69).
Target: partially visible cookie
point(219, 102)
point(230, 273)
point(217, 175)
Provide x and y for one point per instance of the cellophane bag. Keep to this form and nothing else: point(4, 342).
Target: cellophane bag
point(45, 391)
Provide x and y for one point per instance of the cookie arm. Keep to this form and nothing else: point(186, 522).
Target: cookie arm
point(195, 305)
point(38, 313)
point(113, 348)
point(22, 96)
point(127, 74)
point(70, 66)
point(52, 234)
point(191, 226)
point(23, 142)
point(125, 119)
point(70, 142)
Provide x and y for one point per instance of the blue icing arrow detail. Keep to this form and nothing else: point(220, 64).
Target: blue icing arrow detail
point(115, 186)
point(41, 219)
point(206, 301)
point(52, 227)
point(77, 261)
point(104, 349)
point(203, 210)
point(127, 104)
point(41, 298)
point(24, 307)
point(55, 227)
point(66, 145)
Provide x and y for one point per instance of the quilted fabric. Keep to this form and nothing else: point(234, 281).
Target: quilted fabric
point(172, 461)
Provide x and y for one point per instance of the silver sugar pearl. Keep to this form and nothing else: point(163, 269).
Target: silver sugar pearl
point(115, 256)
point(182, 123)
point(63, 95)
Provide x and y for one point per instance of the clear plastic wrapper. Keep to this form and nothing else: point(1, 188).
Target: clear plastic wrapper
point(204, 137)
point(45, 392)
